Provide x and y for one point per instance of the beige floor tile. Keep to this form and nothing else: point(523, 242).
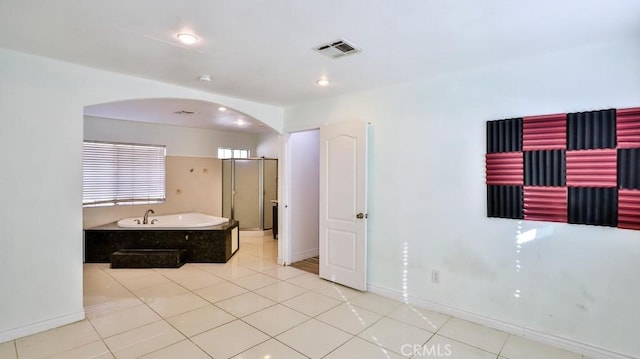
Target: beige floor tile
point(255, 281)
point(517, 347)
point(261, 265)
point(314, 338)
point(176, 304)
point(150, 279)
point(200, 320)
point(395, 335)
point(159, 291)
point(114, 305)
point(143, 340)
point(106, 293)
point(440, 346)
point(221, 291)
point(276, 319)
point(230, 339)
point(117, 322)
point(95, 350)
point(419, 317)
point(307, 280)
point(284, 272)
point(270, 349)
point(476, 335)
point(96, 278)
point(184, 349)
point(92, 267)
point(349, 318)
point(8, 350)
point(56, 340)
point(337, 291)
point(244, 257)
point(375, 303)
point(358, 348)
point(262, 249)
point(311, 303)
point(125, 273)
point(245, 304)
point(92, 300)
point(229, 271)
point(187, 267)
point(281, 291)
point(271, 300)
point(193, 279)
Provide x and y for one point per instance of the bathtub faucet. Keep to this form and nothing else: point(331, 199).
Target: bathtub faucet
point(146, 216)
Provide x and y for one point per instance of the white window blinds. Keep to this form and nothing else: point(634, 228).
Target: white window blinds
point(121, 173)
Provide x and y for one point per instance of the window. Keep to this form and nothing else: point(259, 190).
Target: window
point(121, 173)
point(232, 153)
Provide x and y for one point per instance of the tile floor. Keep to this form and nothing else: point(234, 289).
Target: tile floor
point(252, 308)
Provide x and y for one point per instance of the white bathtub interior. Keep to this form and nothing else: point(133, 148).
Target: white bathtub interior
point(179, 220)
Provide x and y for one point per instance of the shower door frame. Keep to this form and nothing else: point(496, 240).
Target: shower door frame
point(261, 192)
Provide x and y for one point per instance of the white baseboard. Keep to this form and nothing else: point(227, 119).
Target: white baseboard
point(304, 255)
point(533, 334)
point(41, 326)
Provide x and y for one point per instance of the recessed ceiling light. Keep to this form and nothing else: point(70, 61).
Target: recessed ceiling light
point(222, 108)
point(204, 78)
point(187, 39)
point(323, 82)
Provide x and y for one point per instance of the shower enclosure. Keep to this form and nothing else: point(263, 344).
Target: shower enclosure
point(248, 188)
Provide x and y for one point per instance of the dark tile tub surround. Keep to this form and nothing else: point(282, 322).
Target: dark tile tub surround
point(202, 245)
point(148, 258)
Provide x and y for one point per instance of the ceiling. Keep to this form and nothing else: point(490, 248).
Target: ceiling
point(179, 112)
point(262, 50)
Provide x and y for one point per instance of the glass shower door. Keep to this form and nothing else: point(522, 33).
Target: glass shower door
point(246, 199)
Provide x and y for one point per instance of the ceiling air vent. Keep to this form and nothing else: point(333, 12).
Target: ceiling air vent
point(337, 49)
point(183, 112)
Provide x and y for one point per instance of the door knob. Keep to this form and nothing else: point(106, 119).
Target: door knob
point(360, 215)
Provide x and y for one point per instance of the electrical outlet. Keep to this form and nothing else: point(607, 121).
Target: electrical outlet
point(435, 276)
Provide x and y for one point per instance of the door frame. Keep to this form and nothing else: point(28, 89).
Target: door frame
point(285, 191)
point(284, 194)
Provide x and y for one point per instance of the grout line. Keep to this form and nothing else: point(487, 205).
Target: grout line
point(503, 344)
point(161, 317)
point(271, 272)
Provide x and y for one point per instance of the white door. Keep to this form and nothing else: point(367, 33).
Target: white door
point(343, 204)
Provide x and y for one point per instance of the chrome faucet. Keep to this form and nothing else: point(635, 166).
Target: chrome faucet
point(145, 220)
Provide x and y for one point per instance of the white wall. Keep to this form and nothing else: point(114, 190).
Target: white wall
point(427, 197)
point(186, 146)
point(268, 145)
point(180, 141)
point(304, 192)
point(41, 112)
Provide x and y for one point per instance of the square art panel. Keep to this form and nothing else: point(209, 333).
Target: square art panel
point(581, 168)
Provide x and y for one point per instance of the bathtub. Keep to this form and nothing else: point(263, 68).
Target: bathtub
point(204, 238)
point(179, 220)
